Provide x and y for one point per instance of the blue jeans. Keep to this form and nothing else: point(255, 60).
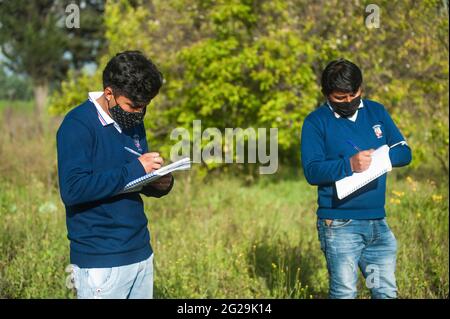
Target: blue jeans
point(134, 281)
point(349, 244)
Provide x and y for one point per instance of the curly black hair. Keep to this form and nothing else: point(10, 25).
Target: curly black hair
point(341, 75)
point(134, 76)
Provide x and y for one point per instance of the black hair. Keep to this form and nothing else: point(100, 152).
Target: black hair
point(341, 75)
point(134, 76)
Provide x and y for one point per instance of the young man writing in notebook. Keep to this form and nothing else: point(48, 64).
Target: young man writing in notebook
point(98, 144)
point(337, 141)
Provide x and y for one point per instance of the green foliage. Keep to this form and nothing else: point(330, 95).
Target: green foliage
point(73, 91)
point(31, 39)
point(257, 64)
point(245, 75)
point(119, 37)
point(14, 87)
point(33, 244)
point(35, 40)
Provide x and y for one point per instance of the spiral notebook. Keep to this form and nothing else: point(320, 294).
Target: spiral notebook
point(137, 184)
point(381, 164)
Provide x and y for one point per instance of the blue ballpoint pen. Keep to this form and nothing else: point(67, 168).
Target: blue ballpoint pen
point(132, 151)
point(354, 146)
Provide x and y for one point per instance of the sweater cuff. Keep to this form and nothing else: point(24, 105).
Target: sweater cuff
point(134, 170)
point(347, 166)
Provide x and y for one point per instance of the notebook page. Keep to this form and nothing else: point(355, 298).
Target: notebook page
point(137, 184)
point(380, 165)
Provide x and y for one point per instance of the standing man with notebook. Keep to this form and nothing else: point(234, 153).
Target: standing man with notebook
point(337, 140)
point(109, 240)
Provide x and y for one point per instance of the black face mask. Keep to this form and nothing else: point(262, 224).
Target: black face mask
point(126, 120)
point(346, 109)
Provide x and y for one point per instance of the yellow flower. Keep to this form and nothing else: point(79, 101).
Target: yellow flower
point(398, 194)
point(274, 266)
point(436, 198)
point(412, 183)
point(418, 215)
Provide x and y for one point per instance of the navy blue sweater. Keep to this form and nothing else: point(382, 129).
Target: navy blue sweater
point(326, 158)
point(104, 229)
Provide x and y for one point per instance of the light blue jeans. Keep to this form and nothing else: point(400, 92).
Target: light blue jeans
point(134, 281)
point(349, 244)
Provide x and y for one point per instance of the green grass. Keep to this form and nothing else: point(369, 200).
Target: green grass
point(16, 105)
point(213, 238)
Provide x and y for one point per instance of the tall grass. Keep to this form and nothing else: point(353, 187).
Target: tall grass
point(213, 237)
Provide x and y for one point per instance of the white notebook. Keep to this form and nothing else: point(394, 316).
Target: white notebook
point(381, 164)
point(137, 184)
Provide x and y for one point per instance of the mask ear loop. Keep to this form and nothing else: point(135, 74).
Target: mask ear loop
point(107, 101)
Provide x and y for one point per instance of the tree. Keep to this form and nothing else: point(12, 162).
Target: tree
point(253, 69)
point(36, 41)
point(14, 87)
point(404, 61)
point(258, 63)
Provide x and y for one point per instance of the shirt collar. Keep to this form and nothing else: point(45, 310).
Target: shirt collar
point(103, 117)
point(353, 117)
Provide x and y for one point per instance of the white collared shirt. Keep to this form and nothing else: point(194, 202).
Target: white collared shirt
point(353, 117)
point(103, 117)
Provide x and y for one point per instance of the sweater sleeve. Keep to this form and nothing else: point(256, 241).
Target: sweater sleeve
point(400, 154)
point(77, 180)
point(317, 169)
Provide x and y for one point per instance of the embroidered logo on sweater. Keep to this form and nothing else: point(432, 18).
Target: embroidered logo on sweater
point(377, 130)
point(136, 142)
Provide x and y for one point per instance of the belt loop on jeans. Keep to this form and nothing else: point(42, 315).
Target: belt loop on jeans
point(141, 265)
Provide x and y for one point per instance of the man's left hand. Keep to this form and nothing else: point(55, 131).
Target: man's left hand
point(163, 182)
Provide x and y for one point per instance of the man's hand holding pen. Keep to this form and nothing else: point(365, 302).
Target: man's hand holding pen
point(361, 161)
